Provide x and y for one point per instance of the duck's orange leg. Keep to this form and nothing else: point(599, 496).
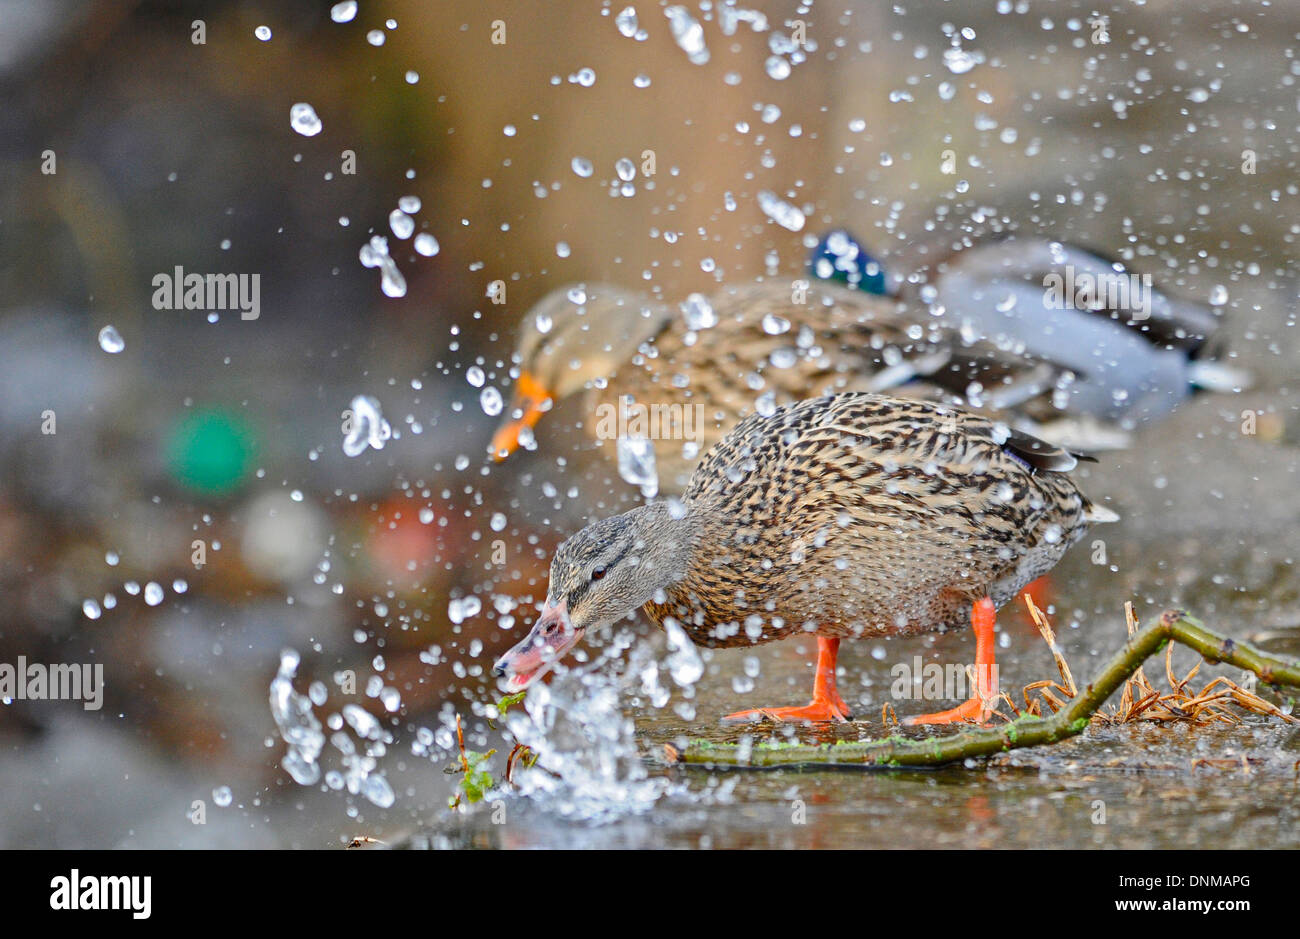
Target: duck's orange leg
point(983, 615)
point(1040, 591)
point(826, 705)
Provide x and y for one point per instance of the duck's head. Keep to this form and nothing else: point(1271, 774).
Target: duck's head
point(608, 569)
point(840, 257)
point(572, 337)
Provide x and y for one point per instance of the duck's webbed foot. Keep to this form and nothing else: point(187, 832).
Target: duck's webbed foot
point(815, 712)
point(826, 706)
point(983, 616)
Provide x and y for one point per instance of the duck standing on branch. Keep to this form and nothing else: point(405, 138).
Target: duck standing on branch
point(848, 516)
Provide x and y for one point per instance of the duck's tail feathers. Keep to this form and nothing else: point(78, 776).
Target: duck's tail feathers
point(1099, 514)
point(1214, 375)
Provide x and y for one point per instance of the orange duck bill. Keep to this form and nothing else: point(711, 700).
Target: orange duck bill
point(552, 636)
point(531, 400)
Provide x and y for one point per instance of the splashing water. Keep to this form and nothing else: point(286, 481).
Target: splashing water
point(305, 736)
point(375, 254)
point(688, 34)
point(369, 429)
point(589, 766)
point(636, 457)
point(298, 726)
point(636, 464)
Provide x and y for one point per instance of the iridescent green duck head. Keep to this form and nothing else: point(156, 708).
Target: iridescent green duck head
point(575, 335)
point(840, 257)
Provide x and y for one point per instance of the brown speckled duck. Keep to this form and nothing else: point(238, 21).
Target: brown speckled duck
point(755, 346)
point(847, 516)
point(703, 366)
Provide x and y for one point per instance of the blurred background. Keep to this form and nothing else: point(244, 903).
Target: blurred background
point(223, 436)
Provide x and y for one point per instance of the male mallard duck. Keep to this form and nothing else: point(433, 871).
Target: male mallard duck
point(1113, 350)
point(848, 516)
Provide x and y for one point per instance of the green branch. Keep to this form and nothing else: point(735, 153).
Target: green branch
point(1026, 731)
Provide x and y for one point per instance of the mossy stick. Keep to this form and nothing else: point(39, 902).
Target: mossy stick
point(1026, 731)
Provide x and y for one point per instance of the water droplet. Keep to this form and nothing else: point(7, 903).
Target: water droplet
point(625, 169)
point(474, 375)
point(684, 663)
point(153, 593)
point(263, 33)
point(699, 312)
point(490, 401)
point(376, 37)
point(780, 211)
point(303, 119)
point(783, 358)
point(403, 225)
point(626, 22)
point(582, 166)
point(777, 68)
point(409, 204)
point(1218, 295)
point(462, 608)
point(91, 609)
point(688, 34)
point(959, 61)
point(222, 796)
point(426, 244)
point(110, 340)
point(344, 12)
point(637, 465)
point(369, 429)
point(775, 325)
point(375, 254)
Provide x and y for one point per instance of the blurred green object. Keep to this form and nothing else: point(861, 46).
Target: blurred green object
point(211, 451)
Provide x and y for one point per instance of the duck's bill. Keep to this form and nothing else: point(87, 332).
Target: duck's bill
point(551, 638)
point(531, 401)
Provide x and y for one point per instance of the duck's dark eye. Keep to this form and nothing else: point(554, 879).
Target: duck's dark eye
point(598, 573)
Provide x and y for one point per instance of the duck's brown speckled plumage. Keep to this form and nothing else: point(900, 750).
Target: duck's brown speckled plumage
point(837, 340)
point(863, 515)
point(834, 340)
point(846, 516)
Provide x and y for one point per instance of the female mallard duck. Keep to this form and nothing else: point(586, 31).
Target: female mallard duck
point(688, 377)
point(847, 516)
point(1115, 350)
